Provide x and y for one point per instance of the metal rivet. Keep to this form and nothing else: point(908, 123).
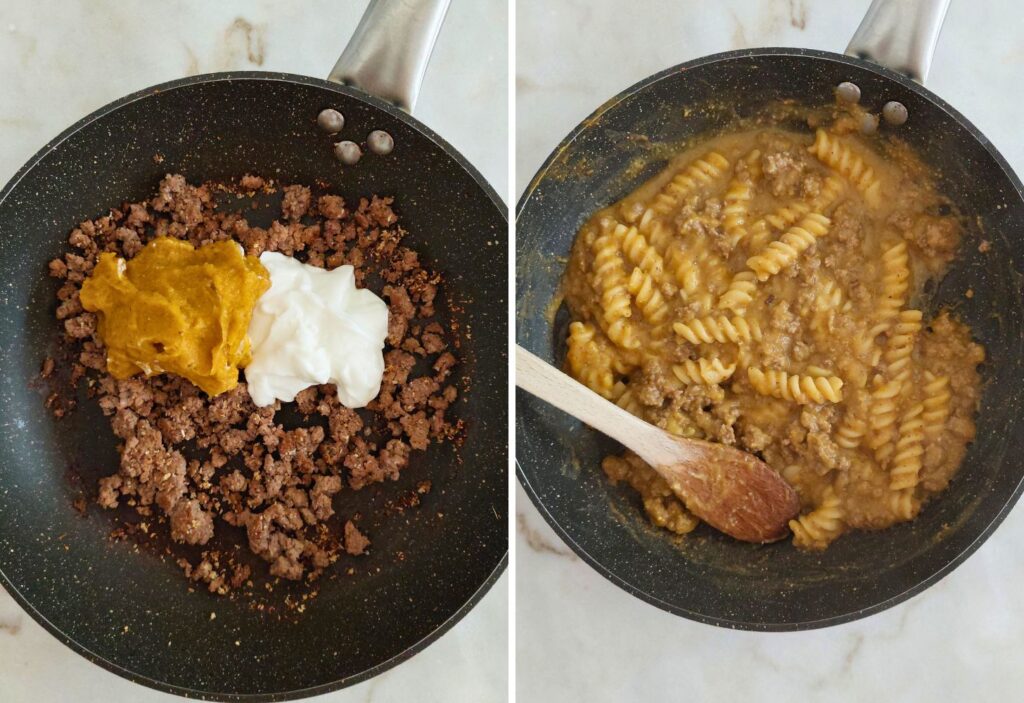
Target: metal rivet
point(330, 121)
point(868, 123)
point(895, 113)
point(848, 92)
point(380, 142)
point(347, 152)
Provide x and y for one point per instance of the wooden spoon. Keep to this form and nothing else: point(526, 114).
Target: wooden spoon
point(729, 489)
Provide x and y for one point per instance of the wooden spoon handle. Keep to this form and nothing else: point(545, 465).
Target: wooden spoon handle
point(551, 385)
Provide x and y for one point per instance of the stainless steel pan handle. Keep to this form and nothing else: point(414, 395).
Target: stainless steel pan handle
point(900, 35)
point(389, 51)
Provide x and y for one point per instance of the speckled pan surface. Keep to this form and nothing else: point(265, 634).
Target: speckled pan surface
point(706, 576)
point(131, 612)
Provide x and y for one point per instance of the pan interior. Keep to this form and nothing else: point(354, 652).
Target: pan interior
point(705, 575)
point(131, 611)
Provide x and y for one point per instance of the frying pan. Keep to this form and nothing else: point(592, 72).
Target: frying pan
point(126, 609)
point(706, 576)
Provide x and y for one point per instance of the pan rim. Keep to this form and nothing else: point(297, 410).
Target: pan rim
point(500, 206)
point(292, 695)
point(921, 584)
point(271, 76)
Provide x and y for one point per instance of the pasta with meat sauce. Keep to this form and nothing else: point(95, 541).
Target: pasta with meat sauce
point(765, 291)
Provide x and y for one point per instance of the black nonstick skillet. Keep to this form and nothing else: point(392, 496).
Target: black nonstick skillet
point(708, 577)
point(129, 611)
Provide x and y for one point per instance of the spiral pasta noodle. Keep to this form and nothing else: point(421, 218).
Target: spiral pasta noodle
point(884, 410)
point(838, 155)
point(799, 389)
point(786, 249)
point(820, 527)
point(702, 172)
point(895, 280)
point(904, 505)
point(901, 344)
point(695, 269)
point(707, 330)
point(740, 293)
point(786, 215)
point(906, 462)
point(628, 402)
point(610, 279)
point(936, 403)
point(708, 372)
point(734, 213)
point(851, 432)
point(588, 363)
point(647, 296)
point(639, 252)
point(829, 296)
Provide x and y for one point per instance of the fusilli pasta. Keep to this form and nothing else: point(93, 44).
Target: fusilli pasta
point(797, 388)
point(740, 293)
point(610, 281)
point(702, 172)
point(734, 214)
point(936, 404)
point(837, 154)
point(709, 372)
point(707, 330)
point(895, 281)
point(587, 361)
point(785, 250)
point(818, 528)
point(906, 462)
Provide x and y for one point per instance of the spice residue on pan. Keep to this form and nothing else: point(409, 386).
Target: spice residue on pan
point(196, 466)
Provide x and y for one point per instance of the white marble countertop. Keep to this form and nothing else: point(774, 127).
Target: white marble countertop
point(59, 60)
point(579, 637)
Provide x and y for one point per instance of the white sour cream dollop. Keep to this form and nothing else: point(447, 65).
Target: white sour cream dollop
point(314, 326)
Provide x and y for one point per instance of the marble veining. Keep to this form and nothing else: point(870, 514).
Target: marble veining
point(539, 542)
point(959, 640)
point(61, 60)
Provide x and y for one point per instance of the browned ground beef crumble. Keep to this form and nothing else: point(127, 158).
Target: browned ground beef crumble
point(193, 461)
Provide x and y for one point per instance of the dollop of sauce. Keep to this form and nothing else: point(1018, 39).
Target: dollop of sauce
point(314, 326)
point(177, 309)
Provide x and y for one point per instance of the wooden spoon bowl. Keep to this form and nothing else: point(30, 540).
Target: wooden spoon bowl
point(731, 490)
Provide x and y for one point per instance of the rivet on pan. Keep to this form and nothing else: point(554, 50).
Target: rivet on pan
point(868, 123)
point(347, 152)
point(380, 142)
point(894, 113)
point(330, 121)
point(848, 92)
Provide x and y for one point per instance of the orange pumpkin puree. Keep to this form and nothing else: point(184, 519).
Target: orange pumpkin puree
point(177, 309)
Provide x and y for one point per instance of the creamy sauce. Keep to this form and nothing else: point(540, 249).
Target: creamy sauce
point(314, 326)
point(766, 291)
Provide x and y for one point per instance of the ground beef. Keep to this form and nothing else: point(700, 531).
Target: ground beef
point(331, 207)
point(201, 464)
point(355, 542)
point(433, 339)
point(296, 202)
point(400, 311)
point(81, 326)
point(190, 523)
point(651, 384)
point(784, 172)
point(184, 202)
point(251, 183)
point(937, 236)
point(58, 269)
